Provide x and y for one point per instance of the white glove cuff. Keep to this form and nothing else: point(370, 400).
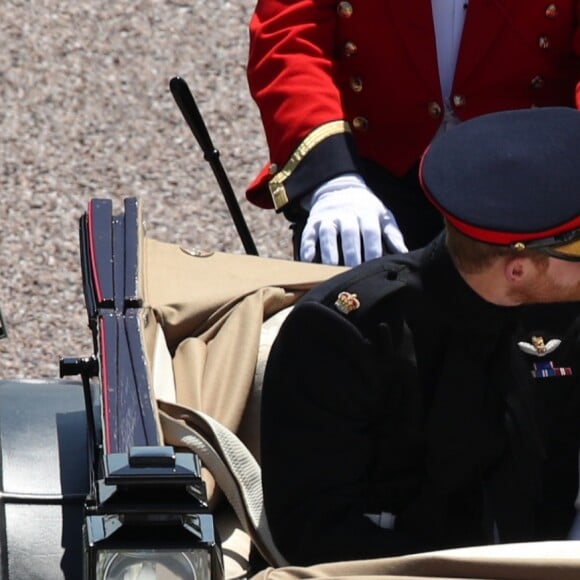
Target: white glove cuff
point(335, 184)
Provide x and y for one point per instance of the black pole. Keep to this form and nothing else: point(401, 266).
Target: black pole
point(192, 116)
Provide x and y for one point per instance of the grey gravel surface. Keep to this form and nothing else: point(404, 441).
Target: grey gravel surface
point(86, 112)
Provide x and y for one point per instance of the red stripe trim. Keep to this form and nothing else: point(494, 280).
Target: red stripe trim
point(96, 281)
point(507, 238)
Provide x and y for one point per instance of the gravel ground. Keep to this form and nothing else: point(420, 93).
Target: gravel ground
point(86, 112)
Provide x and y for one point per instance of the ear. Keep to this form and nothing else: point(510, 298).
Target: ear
point(516, 270)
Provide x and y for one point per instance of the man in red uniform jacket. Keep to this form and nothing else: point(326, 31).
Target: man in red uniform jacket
point(352, 92)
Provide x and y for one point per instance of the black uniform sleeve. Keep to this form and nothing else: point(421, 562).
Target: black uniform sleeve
point(332, 157)
point(321, 393)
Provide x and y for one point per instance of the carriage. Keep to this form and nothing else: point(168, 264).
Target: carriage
point(143, 460)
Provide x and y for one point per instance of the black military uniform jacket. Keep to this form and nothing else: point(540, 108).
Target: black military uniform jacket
point(419, 403)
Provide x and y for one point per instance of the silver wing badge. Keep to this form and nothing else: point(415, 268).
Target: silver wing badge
point(538, 347)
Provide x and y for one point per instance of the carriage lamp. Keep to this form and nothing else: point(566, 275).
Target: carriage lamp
point(150, 520)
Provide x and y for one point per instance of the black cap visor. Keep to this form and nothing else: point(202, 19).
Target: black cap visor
point(570, 252)
point(563, 247)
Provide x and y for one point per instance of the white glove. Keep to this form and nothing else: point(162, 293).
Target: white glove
point(346, 206)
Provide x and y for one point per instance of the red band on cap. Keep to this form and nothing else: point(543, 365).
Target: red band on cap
point(508, 238)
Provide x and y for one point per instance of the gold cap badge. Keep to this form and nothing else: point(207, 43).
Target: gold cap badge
point(347, 302)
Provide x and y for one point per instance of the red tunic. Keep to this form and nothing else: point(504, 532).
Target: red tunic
point(373, 64)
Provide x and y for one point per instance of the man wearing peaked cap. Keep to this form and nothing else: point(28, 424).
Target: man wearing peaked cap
point(515, 189)
point(427, 400)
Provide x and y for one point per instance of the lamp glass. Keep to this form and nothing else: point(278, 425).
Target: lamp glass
point(153, 565)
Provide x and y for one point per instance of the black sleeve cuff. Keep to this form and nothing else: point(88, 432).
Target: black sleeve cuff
point(333, 156)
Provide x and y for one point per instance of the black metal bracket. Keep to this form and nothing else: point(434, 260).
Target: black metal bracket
point(3, 331)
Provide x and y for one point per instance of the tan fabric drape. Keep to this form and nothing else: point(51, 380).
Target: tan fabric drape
point(530, 561)
point(214, 370)
point(191, 293)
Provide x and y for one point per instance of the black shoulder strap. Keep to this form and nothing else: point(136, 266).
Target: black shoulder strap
point(369, 284)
